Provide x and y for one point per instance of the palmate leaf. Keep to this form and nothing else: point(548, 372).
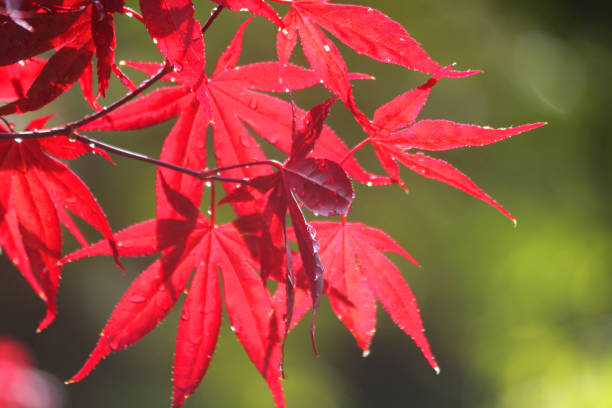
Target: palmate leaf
point(187, 245)
point(77, 31)
point(321, 185)
point(235, 101)
point(364, 29)
point(358, 274)
point(36, 192)
point(16, 79)
point(393, 132)
point(259, 7)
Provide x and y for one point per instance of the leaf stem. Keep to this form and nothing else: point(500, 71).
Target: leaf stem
point(354, 149)
point(8, 124)
point(132, 13)
point(212, 204)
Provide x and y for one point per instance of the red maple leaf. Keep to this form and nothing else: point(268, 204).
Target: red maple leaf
point(321, 185)
point(188, 245)
point(234, 100)
point(36, 191)
point(358, 274)
point(258, 7)
point(364, 29)
point(393, 132)
point(16, 79)
point(189, 241)
point(76, 30)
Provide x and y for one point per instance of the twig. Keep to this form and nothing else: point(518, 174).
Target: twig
point(213, 16)
point(71, 127)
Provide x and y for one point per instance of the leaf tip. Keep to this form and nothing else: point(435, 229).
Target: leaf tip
point(514, 222)
point(437, 370)
point(365, 353)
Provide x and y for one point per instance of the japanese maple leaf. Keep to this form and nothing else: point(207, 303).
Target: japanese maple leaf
point(259, 7)
point(16, 79)
point(188, 241)
point(36, 190)
point(234, 100)
point(394, 131)
point(321, 185)
point(359, 274)
point(191, 244)
point(77, 31)
point(364, 29)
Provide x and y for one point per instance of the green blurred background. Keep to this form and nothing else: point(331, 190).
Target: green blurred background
point(516, 317)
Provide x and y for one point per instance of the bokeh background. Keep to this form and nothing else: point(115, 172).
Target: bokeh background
point(515, 316)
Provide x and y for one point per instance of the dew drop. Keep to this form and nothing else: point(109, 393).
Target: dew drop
point(326, 48)
point(22, 63)
point(209, 212)
point(114, 346)
point(195, 337)
point(178, 67)
point(245, 139)
point(244, 9)
point(233, 329)
point(369, 184)
point(18, 140)
point(155, 41)
point(284, 31)
point(365, 353)
point(208, 184)
point(138, 299)
point(130, 15)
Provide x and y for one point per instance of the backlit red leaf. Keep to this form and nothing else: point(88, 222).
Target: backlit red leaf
point(39, 190)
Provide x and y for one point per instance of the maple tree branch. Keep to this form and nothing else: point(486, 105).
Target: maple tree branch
point(213, 15)
point(68, 129)
point(133, 155)
point(146, 84)
point(209, 172)
point(201, 175)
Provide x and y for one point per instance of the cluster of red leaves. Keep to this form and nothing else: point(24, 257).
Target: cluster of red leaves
point(342, 260)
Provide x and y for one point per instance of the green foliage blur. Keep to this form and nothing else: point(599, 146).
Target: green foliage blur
point(517, 317)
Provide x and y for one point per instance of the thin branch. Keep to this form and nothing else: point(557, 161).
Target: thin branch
point(70, 128)
point(203, 175)
point(211, 19)
point(136, 156)
point(210, 172)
